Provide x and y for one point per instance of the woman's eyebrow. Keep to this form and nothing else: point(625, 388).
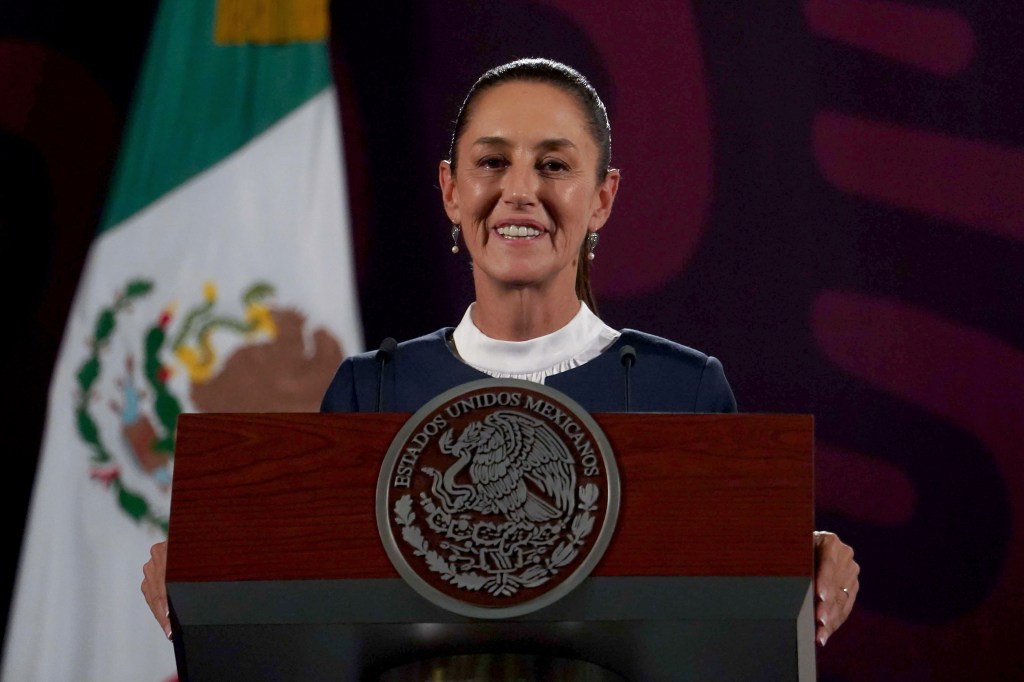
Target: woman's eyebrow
point(491, 141)
point(557, 143)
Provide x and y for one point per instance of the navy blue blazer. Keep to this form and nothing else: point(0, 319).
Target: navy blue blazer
point(666, 377)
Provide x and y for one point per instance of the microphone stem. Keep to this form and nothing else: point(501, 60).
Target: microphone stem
point(380, 384)
point(628, 365)
point(384, 353)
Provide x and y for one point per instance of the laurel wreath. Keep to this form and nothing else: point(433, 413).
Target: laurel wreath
point(502, 584)
point(166, 405)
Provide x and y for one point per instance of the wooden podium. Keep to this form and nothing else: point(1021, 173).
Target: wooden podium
point(276, 570)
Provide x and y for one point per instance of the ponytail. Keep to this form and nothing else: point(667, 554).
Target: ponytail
point(584, 291)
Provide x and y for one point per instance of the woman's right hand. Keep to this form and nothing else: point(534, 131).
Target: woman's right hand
point(154, 585)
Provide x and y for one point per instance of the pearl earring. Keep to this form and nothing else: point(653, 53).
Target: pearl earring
point(456, 229)
point(591, 244)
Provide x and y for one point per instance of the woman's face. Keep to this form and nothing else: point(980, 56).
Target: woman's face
point(525, 190)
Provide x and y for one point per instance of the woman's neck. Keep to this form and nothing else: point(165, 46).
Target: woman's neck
point(523, 313)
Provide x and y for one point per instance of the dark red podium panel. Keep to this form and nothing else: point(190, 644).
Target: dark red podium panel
point(276, 569)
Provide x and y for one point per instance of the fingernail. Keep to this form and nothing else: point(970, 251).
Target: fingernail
point(822, 640)
point(169, 634)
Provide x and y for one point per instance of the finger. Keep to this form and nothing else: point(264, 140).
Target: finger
point(825, 622)
point(157, 601)
point(849, 586)
point(825, 564)
point(159, 608)
point(852, 585)
point(830, 614)
point(154, 586)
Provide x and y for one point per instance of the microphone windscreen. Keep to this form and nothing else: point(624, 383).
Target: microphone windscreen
point(627, 356)
point(386, 350)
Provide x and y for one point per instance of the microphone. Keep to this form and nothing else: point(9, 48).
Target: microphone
point(384, 354)
point(627, 356)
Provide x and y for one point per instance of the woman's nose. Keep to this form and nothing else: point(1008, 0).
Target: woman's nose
point(520, 187)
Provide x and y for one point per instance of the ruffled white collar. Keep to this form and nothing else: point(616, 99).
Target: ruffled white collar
point(581, 340)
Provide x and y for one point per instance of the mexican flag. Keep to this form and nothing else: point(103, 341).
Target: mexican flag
point(221, 281)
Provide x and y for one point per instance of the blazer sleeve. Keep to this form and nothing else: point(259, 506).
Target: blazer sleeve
point(714, 393)
point(340, 395)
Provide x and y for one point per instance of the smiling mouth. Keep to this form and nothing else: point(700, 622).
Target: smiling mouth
point(518, 231)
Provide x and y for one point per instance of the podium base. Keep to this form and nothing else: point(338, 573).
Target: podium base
point(499, 668)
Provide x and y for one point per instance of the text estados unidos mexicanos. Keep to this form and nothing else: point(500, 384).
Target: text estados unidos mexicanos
point(405, 467)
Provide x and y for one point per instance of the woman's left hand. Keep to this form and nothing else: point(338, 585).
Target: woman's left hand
point(835, 583)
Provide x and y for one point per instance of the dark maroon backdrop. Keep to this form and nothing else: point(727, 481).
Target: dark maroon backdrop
point(828, 196)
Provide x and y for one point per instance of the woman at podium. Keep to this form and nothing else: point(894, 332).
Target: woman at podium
point(527, 187)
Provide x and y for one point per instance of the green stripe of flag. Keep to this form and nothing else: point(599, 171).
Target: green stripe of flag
point(199, 101)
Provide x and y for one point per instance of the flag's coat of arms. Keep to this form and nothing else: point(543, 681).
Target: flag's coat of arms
point(181, 362)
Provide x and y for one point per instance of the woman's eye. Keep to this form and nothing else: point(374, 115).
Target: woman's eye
point(553, 166)
point(492, 162)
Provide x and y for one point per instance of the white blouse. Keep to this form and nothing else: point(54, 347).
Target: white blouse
point(582, 339)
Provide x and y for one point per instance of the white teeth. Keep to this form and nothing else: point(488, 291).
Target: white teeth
point(518, 231)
